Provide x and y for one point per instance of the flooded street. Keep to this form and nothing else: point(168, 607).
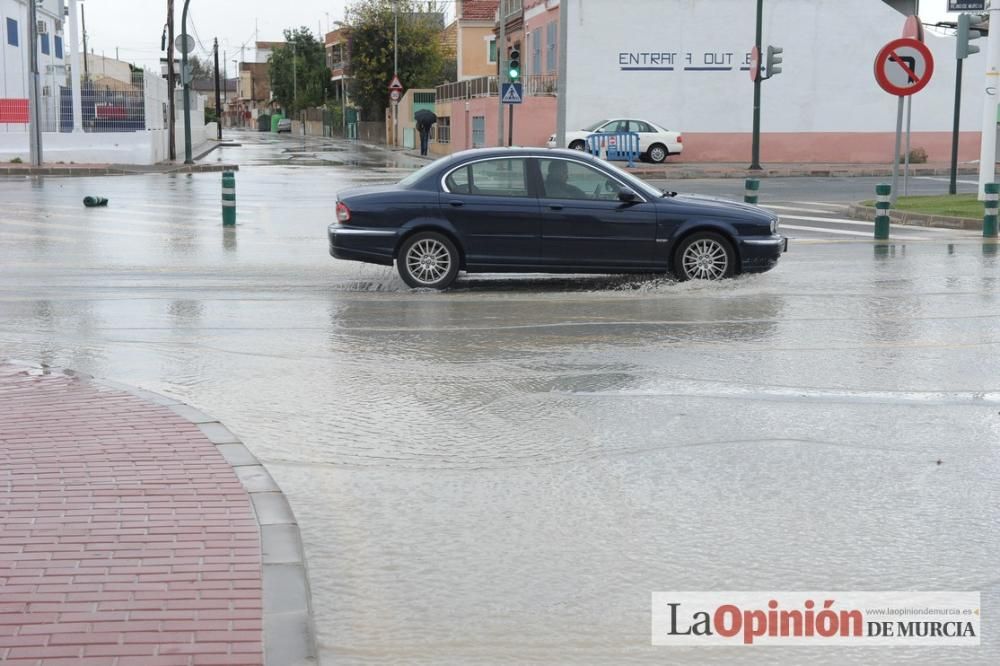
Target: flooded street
point(504, 472)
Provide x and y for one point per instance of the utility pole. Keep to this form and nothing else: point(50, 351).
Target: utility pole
point(502, 67)
point(186, 81)
point(34, 104)
point(218, 98)
point(988, 147)
point(755, 150)
point(74, 54)
point(295, 77)
point(561, 101)
point(171, 85)
point(83, 24)
point(225, 86)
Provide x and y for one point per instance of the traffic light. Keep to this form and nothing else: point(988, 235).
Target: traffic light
point(514, 63)
point(964, 35)
point(774, 60)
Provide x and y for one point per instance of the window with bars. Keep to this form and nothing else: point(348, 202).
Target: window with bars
point(444, 129)
point(478, 131)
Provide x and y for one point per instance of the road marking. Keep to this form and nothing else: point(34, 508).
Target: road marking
point(841, 220)
point(826, 204)
point(801, 210)
point(844, 232)
point(946, 180)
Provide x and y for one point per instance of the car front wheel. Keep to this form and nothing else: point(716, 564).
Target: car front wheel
point(705, 256)
point(428, 260)
point(578, 145)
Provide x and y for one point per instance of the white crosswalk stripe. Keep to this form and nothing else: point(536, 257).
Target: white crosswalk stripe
point(825, 219)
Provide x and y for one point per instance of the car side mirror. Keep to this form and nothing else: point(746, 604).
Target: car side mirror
point(627, 195)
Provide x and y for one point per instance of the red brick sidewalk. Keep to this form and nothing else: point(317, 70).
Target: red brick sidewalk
point(125, 536)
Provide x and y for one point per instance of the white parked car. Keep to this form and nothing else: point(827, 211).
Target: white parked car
point(655, 142)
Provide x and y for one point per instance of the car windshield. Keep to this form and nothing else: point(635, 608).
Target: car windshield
point(591, 128)
point(415, 176)
point(636, 184)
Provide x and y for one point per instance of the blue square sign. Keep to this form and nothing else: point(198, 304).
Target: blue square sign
point(510, 93)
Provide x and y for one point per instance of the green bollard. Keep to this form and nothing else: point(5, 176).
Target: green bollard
point(94, 202)
point(752, 188)
point(883, 195)
point(992, 190)
point(228, 198)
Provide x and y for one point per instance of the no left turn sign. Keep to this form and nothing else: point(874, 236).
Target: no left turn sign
point(904, 66)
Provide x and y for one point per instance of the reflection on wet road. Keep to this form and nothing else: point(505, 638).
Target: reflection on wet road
point(504, 472)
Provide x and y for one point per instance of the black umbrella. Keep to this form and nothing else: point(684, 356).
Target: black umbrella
point(423, 116)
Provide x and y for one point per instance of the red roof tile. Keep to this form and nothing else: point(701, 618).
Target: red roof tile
point(479, 10)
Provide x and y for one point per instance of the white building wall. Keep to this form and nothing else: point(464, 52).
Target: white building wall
point(14, 68)
point(824, 105)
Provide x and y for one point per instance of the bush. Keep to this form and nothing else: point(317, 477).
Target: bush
point(917, 156)
point(17, 160)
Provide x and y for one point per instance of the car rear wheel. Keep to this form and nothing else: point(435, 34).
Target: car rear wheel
point(704, 256)
point(578, 145)
point(657, 153)
point(428, 260)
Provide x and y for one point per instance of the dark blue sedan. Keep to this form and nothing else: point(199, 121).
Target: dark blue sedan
point(552, 211)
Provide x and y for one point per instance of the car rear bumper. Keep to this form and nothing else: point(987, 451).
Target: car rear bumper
point(374, 246)
point(762, 254)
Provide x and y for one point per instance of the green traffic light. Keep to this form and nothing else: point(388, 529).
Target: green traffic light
point(515, 73)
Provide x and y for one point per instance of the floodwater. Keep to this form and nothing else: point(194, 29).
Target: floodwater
point(503, 473)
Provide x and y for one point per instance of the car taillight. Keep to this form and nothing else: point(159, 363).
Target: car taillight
point(680, 138)
point(343, 212)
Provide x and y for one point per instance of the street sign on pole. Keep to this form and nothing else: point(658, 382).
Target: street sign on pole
point(904, 67)
point(966, 5)
point(395, 84)
point(184, 43)
point(754, 64)
point(511, 93)
point(394, 95)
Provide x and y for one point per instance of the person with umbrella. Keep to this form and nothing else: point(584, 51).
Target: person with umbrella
point(425, 119)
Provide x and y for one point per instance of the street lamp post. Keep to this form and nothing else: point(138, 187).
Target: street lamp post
point(755, 150)
point(395, 69)
point(186, 80)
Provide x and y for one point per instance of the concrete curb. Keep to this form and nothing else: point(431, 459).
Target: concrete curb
point(688, 172)
point(289, 633)
point(860, 212)
point(112, 169)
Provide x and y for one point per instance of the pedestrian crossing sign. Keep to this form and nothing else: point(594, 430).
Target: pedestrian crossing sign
point(511, 93)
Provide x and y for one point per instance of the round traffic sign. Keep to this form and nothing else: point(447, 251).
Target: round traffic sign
point(903, 67)
point(184, 43)
point(394, 95)
point(754, 64)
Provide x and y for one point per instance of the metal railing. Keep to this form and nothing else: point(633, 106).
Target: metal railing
point(484, 86)
point(541, 85)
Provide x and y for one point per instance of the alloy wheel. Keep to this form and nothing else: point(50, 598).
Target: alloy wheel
point(705, 259)
point(428, 261)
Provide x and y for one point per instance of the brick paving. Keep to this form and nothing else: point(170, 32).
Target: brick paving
point(125, 536)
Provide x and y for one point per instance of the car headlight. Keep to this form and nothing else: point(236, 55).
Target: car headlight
point(774, 226)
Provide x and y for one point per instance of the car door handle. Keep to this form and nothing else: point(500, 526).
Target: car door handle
point(555, 207)
point(457, 204)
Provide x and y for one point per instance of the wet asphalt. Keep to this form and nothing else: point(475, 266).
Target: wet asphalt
point(502, 473)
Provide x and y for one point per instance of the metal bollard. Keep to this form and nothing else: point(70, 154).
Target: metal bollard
point(992, 191)
point(228, 198)
point(883, 194)
point(752, 186)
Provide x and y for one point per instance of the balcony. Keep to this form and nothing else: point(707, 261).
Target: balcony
point(540, 85)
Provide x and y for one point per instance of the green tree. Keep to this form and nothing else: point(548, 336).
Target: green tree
point(421, 53)
point(201, 69)
point(299, 76)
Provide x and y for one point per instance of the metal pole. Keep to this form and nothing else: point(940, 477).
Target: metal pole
point(988, 147)
point(34, 105)
point(895, 155)
point(218, 96)
point(906, 153)
point(187, 88)
point(510, 128)
point(755, 150)
point(953, 182)
point(74, 37)
point(561, 100)
point(171, 86)
point(83, 24)
point(395, 69)
point(502, 68)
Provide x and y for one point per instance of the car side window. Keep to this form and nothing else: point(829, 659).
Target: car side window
point(494, 178)
point(640, 126)
point(563, 179)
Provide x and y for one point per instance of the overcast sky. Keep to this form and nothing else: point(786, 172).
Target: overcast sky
point(134, 27)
